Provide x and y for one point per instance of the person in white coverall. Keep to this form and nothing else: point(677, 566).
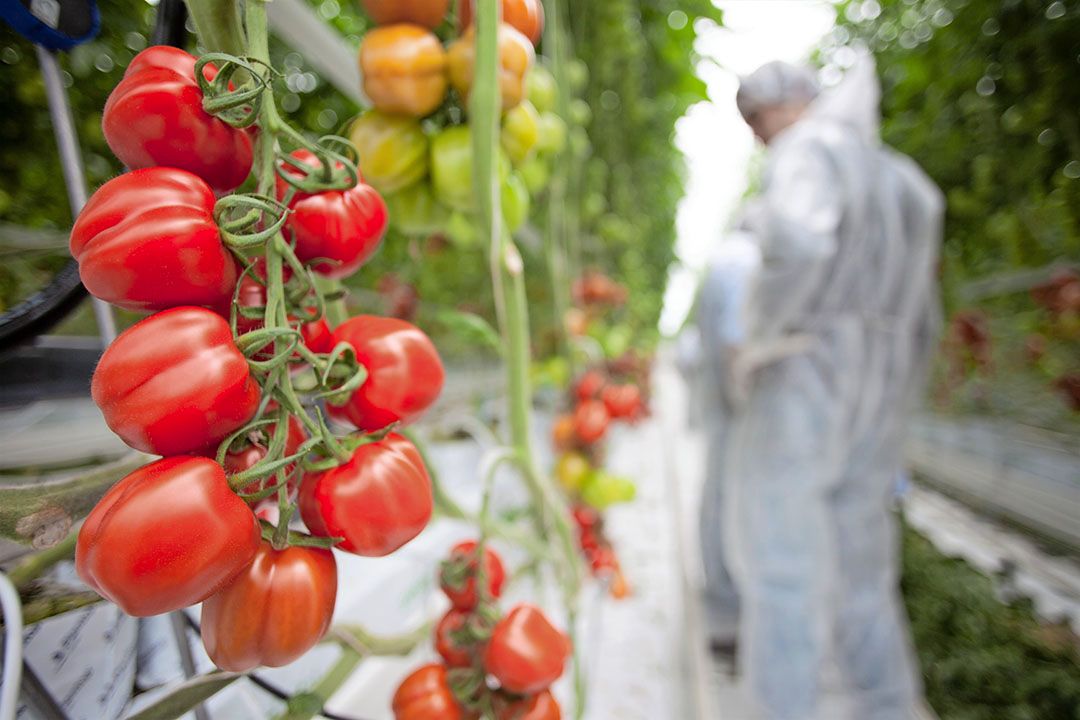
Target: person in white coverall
point(841, 319)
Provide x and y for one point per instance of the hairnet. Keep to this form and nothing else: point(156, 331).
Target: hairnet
point(775, 83)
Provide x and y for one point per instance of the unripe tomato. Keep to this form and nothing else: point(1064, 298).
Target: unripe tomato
point(602, 490)
point(175, 383)
point(580, 112)
point(378, 500)
point(237, 461)
point(147, 241)
point(336, 231)
point(526, 653)
point(553, 133)
point(536, 172)
point(541, 89)
point(393, 150)
point(516, 56)
point(453, 653)
point(155, 117)
point(515, 202)
point(542, 706)
point(572, 469)
point(520, 132)
point(525, 16)
point(622, 401)
point(589, 385)
point(451, 168)
point(415, 211)
point(404, 69)
point(562, 432)
point(405, 374)
point(590, 421)
point(166, 536)
point(274, 611)
point(462, 592)
point(429, 13)
point(426, 695)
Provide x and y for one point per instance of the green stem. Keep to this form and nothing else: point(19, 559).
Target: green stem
point(217, 23)
point(44, 608)
point(38, 564)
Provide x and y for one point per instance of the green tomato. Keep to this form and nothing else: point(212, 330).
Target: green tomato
point(461, 231)
point(572, 470)
point(536, 172)
point(577, 73)
point(393, 150)
point(541, 88)
point(520, 132)
point(415, 211)
point(515, 202)
point(580, 112)
point(552, 133)
point(602, 490)
point(451, 168)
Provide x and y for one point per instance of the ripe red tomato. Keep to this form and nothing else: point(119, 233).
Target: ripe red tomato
point(622, 401)
point(405, 374)
point(166, 536)
point(452, 652)
point(318, 336)
point(542, 706)
point(378, 501)
point(336, 231)
point(274, 611)
point(426, 695)
point(590, 421)
point(147, 241)
point(175, 383)
point(155, 117)
point(463, 595)
point(589, 386)
point(526, 653)
point(239, 460)
point(526, 16)
point(429, 13)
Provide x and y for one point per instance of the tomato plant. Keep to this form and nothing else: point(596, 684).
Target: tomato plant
point(526, 653)
point(274, 611)
point(516, 56)
point(240, 459)
point(377, 501)
point(622, 401)
point(335, 230)
point(452, 651)
point(405, 374)
point(166, 536)
point(589, 385)
point(429, 13)
point(155, 117)
point(590, 421)
point(526, 16)
point(458, 575)
point(425, 695)
point(541, 706)
point(393, 150)
point(175, 383)
point(147, 241)
point(404, 69)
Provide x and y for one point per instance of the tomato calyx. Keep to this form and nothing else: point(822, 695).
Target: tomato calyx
point(248, 220)
point(295, 538)
point(237, 105)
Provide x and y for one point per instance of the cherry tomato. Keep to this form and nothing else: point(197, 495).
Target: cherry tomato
point(236, 461)
point(516, 56)
point(155, 117)
point(336, 231)
point(572, 469)
point(585, 516)
point(426, 695)
point(603, 490)
point(404, 69)
point(393, 150)
point(622, 401)
point(541, 89)
point(562, 432)
point(274, 611)
point(520, 132)
point(318, 336)
point(542, 706)
point(429, 13)
point(166, 536)
point(590, 421)
point(453, 653)
point(526, 653)
point(147, 241)
point(589, 386)
point(526, 16)
point(405, 374)
point(462, 593)
point(378, 500)
point(175, 383)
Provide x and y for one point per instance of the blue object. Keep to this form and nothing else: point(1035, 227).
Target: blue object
point(54, 24)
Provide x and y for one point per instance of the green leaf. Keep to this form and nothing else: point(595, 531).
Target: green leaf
point(470, 327)
point(186, 696)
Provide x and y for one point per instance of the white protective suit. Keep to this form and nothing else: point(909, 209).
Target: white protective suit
point(842, 320)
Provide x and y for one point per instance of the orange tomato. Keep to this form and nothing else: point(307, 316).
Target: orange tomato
point(525, 16)
point(516, 56)
point(428, 13)
point(404, 69)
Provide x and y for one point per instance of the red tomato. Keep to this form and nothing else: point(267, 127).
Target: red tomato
point(589, 386)
point(452, 652)
point(155, 117)
point(405, 374)
point(428, 13)
point(585, 516)
point(463, 596)
point(542, 706)
point(622, 401)
point(147, 241)
point(526, 16)
point(590, 421)
point(175, 383)
point(166, 536)
point(239, 460)
point(318, 336)
point(526, 653)
point(426, 695)
point(336, 231)
point(378, 501)
point(274, 611)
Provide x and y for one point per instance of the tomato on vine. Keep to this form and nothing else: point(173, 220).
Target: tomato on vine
point(526, 653)
point(526, 16)
point(457, 578)
point(166, 536)
point(404, 69)
point(516, 56)
point(622, 401)
point(247, 456)
point(426, 695)
point(393, 150)
point(451, 650)
point(589, 385)
point(541, 706)
point(590, 421)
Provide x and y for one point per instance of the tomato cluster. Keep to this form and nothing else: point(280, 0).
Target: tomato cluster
point(498, 666)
